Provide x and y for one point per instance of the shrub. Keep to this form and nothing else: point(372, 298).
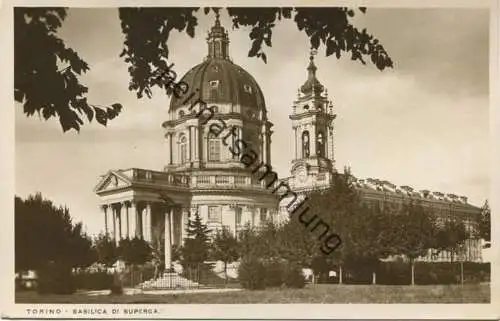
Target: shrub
point(436, 273)
point(56, 279)
point(136, 274)
point(252, 274)
point(477, 272)
point(116, 289)
point(274, 273)
point(93, 281)
point(293, 277)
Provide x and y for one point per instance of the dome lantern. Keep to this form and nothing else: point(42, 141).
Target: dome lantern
point(218, 41)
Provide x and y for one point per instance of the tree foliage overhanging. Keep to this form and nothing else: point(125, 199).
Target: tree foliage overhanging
point(48, 83)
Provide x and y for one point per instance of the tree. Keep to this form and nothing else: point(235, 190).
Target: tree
point(451, 237)
point(416, 235)
point(107, 251)
point(337, 206)
point(225, 247)
point(45, 234)
point(369, 238)
point(134, 251)
point(296, 244)
point(484, 224)
point(250, 244)
point(81, 249)
point(48, 83)
point(196, 245)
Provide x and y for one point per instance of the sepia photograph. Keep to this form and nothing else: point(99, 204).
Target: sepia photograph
point(278, 154)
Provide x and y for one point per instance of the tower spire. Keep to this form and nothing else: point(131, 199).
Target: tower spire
point(312, 84)
point(218, 40)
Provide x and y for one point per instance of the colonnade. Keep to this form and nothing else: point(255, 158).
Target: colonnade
point(150, 221)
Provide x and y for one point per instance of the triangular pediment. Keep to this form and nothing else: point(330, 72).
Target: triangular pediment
point(111, 181)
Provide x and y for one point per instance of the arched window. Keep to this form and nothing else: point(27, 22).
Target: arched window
point(320, 145)
point(213, 148)
point(305, 144)
point(183, 149)
point(306, 107)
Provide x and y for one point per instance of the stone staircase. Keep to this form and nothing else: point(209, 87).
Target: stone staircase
point(169, 280)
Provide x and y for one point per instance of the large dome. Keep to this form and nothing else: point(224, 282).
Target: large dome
point(219, 80)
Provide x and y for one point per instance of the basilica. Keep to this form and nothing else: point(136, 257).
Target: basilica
point(202, 175)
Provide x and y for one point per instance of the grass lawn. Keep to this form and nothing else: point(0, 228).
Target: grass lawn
point(323, 293)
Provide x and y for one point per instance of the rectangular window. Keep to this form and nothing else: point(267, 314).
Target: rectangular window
point(263, 214)
point(214, 150)
point(214, 214)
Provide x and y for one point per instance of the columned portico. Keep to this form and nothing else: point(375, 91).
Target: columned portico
point(132, 209)
point(135, 219)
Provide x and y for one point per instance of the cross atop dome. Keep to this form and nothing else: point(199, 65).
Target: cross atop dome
point(217, 16)
point(218, 40)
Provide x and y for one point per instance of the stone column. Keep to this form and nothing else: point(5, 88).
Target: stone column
point(105, 210)
point(147, 225)
point(138, 220)
point(113, 210)
point(170, 147)
point(120, 219)
point(172, 230)
point(312, 140)
point(168, 150)
point(132, 220)
point(144, 224)
point(195, 144)
point(298, 141)
point(191, 144)
point(240, 137)
point(295, 143)
point(168, 240)
point(126, 204)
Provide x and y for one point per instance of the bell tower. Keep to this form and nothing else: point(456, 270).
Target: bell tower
point(312, 122)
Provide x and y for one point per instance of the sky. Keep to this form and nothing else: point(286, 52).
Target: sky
point(423, 123)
